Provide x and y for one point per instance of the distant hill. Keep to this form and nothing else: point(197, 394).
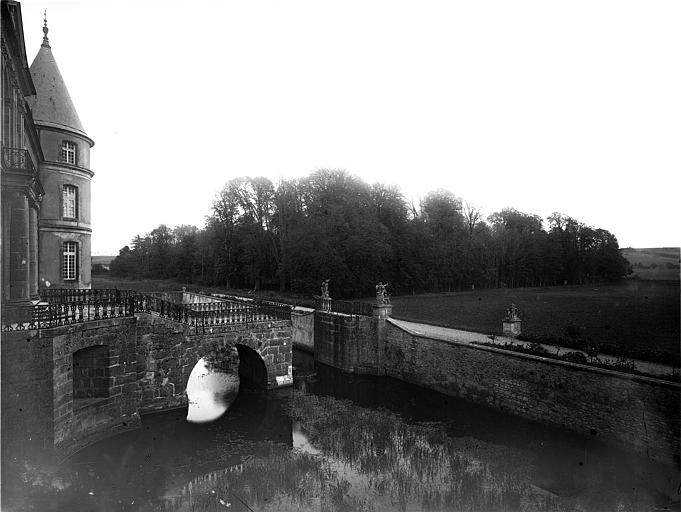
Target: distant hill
point(659, 264)
point(104, 261)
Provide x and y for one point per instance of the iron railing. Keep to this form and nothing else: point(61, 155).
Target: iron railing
point(71, 306)
point(203, 316)
point(47, 316)
point(343, 306)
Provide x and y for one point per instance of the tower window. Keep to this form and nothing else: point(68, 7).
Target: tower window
point(68, 152)
point(70, 253)
point(70, 202)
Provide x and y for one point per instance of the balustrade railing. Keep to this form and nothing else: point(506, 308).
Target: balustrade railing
point(342, 306)
point(72, 306)
point(204, 316)
point(67, 295)
point(47, 316)
point(17, 158)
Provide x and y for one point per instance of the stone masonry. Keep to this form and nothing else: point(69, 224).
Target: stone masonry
point(636, 412)
point(142, 365)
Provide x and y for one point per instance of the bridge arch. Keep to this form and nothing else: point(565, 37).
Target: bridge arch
point(252, 367)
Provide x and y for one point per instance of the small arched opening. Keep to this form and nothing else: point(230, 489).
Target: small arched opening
point(252, 369)
point(90, 375)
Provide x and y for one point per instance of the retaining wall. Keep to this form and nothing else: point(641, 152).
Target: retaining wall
point(347, 342)
point(303, 330)
point(638, 412)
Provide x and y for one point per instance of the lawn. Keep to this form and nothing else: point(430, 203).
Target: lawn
point(633, 318)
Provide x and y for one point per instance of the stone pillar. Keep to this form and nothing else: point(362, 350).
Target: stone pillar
point(19, 240)
point(16, 309)
point(381, 313)
point(33, 233)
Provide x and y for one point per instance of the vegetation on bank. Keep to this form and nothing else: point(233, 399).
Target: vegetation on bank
point(591, 358)
point(332, 225)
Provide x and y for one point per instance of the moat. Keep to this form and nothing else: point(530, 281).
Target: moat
point(336, 441)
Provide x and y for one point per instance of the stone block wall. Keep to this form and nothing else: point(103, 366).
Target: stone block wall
point(168, 352)
point(26, 396)
point(347, 342)
point(67, 387)
point(303, 330)
point(79, 420)
point(637, 412)
point(91, 372)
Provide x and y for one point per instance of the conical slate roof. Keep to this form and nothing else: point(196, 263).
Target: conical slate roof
point(52, 105)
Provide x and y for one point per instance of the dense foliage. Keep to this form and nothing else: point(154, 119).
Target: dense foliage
point(333, 225)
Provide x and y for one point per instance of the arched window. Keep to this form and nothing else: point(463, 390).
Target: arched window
point(70, 261)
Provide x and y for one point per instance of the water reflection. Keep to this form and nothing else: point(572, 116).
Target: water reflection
point(209, 392)
point(340, 442)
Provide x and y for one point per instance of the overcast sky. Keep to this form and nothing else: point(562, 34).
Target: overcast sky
point(540, 105)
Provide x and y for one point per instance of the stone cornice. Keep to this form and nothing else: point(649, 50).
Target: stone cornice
point(46, 125)
point(53, 226)
point(49, 165)
point(25, 183)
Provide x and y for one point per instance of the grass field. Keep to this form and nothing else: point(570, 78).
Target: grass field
point(634, 318)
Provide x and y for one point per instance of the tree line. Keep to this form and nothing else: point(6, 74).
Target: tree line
point(332, 225)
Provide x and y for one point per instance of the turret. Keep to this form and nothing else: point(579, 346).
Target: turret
point(64, 225)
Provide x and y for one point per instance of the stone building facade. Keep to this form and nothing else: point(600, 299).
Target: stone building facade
point(46, 174)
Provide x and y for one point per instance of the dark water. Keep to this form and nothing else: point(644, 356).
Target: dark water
point(347, 443)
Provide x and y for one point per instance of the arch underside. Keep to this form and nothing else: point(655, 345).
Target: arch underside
point(252, 368)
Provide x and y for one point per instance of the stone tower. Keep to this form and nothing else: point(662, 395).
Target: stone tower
point(64, 226)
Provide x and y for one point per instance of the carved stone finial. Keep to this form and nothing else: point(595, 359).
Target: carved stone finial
point(46, 41)
point(325, 290)
point(512, 314)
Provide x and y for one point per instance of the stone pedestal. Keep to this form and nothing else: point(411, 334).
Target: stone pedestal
point(511, 328)
point(383, 311)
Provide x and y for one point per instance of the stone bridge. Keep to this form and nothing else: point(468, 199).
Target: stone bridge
point(68, 386)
